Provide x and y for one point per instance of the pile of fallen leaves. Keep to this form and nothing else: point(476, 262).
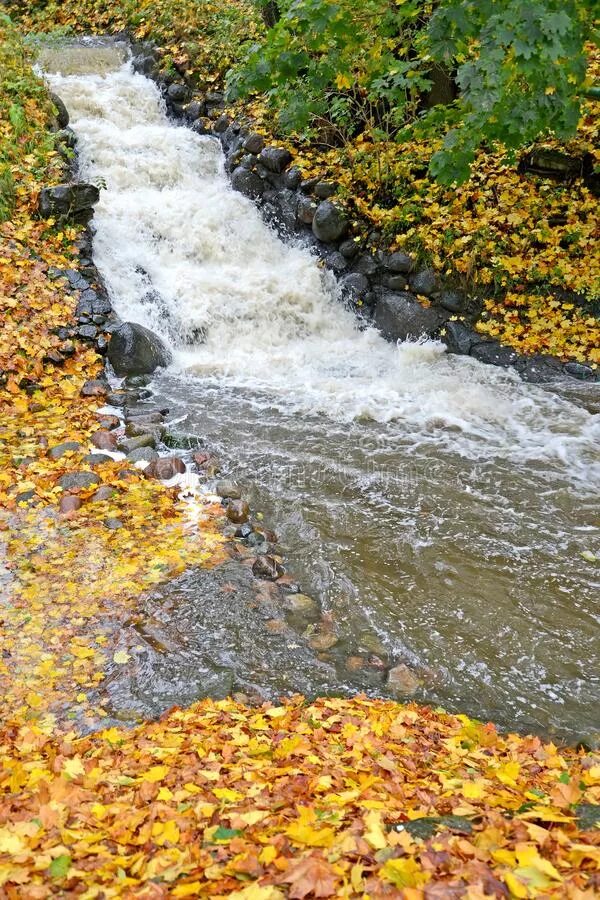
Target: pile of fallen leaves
point(67, 581)
point(344, 798)
point(502, 235)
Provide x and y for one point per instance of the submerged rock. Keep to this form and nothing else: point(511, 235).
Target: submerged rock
point(238, 511)
point(402, 680)
point(247, 183)
point(135, 350)
point(266, 567)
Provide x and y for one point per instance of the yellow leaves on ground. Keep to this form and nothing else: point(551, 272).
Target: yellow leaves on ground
point(102, 807)
point(68, 582)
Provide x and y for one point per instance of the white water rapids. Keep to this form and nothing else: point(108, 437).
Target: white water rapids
point(169, 224)
point(438, 508)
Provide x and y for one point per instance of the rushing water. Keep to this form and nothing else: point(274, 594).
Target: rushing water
point(436, 507)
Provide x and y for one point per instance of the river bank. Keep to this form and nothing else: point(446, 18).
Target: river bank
point(218, 799)
point(471, 247)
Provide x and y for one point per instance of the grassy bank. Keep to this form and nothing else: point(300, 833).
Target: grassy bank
point(523, 246)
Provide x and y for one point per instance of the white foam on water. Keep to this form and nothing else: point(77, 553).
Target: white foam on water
point(185, 255)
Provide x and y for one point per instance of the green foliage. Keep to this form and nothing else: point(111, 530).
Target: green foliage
point(363, 65)
point(325, 64)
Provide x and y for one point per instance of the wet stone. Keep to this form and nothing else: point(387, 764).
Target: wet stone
point(230, 489)
point(349, 249)
point(142, 454)
point(238, 511)
point(402, 680)
point(266, 567)
point(243, 531)
point(95, 387)
point(87, 332)
point(302, 603)
point(165, 468)
point(60, 449)
point(329, 223)
point(254, 144)
point(104, 440)
point(127, 445)
point(424, 282)
point(275, 159)
point(452, 301)
point(398, 262)
point(109, 422)
point(325, 640)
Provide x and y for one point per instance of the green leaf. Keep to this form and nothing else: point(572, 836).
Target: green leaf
point(59, 866)
point(226, 834)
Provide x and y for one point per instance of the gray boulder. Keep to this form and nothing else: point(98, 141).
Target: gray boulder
point(62, 114)
point(424, 282)
point(135, 350)
point(355, 285)
point(254, 143)
point(71, 201)
point(248, 183)
point(78, 480)
point(275, 159)
point(494, 354)
point(306, 210)
point(460, 338)
point(400, 316)
point(329, 222)
point(452, 301)
point(398, 262)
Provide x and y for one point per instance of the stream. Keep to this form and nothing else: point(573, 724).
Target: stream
point(437, 508)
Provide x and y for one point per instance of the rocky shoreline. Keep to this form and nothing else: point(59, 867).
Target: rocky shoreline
point(387, 290)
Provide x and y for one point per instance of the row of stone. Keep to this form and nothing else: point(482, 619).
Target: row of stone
point(384, 288)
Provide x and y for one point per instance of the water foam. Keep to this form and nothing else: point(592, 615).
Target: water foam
point(184, 254)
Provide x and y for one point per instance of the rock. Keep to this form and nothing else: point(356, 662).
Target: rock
point(400, 316)
point(302, 604)
point(113, 524)
point(396, 282)
point(459, 338)
point(68, 504)
point(165, 468)
point(424, 282)
point(71, 201)
point(104, 439)
point(355, 663)
point(87, 332)
point(452, 301)
point(275, 159)
point(325, 640)
point(194, 110)
point(200, 459)
point(238, 511)
point(135, 350)
point(579, 370)
point(96, 459)
point(247, 183)
point(75, 481)
point(106, 492)
point(254, 143)
point(138, 429)
point(398, 262)
point(228, 489)
point(177, 92)
point(401, 680)
point(325, 189)
point(266, 567)
point(62, 114)
point(221, 124)
point(292, 178)
point(95, 387)
point(336, 262)
point(244, 531)
point(355, 285)
point(128, 445)
point(60, 449)
point(494, 354)
point(349, 249)
point(539, 369)
point(329, 223)
point(366, 265)
point(108, 422)
point(142, 454)
point(155, 417)
point(306, 210)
